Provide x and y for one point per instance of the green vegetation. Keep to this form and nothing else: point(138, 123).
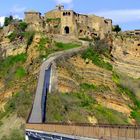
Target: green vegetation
point(116, 28)
point(54, 47)
point(53, 19)
point(22, 26)
point(66, 46)
point(116, 78)
point(14, 135)
point(131, 95)
point(96, 59)
point(86, 86)
point(8, 20)
point(19, 103)
point(29, 37)
point(77, 107)
point(42, 44)
point(20, 72)
point(95, 88)
point(11, 70)
point(19, 32)
point(12, 36)
point(135, 114)
point(11, 60)
point(109, 116)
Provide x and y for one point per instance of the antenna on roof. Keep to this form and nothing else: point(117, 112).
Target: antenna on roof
point(60, 7)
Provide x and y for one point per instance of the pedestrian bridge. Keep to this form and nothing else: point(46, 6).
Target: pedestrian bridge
point(62, 131)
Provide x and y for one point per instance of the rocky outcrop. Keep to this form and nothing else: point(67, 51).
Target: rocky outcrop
point(126, 53)
point(75, 71)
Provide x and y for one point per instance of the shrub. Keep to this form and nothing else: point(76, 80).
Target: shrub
point(22, 26)
point(136, 115)
point(86, 100)
point(12, 36)
point(11, 60)
point(131, 95)
point(86, 86)
point(14, 135)
point(8, 20)
point(66, 46)
point(116, 78)
point(29, 37)
point(96, 59)
point(116, 28)
point(109, 116)
point(20, 72)
point(42, 44)
point(20, 103)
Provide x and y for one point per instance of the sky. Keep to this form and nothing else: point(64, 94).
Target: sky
point(126, 13)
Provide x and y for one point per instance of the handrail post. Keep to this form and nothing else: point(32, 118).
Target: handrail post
point(118, 133)
point(134, 133)
point(110, 134)
point(126, 133)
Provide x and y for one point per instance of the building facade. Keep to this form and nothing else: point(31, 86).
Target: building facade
point(68, 22)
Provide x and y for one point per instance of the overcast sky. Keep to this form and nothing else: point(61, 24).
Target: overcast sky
point(126, 13)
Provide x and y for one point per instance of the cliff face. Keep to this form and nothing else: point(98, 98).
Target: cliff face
point(126, 53)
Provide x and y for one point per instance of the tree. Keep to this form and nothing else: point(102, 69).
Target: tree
point(116, 28)
point(8, 20)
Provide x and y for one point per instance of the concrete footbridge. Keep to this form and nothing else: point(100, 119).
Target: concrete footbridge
point(37, 129)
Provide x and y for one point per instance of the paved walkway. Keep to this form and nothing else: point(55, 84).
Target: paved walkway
point(36, 113)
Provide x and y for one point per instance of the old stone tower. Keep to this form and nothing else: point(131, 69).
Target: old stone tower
point(68, 22)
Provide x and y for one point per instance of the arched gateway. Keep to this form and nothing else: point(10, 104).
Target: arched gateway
point(66, 30)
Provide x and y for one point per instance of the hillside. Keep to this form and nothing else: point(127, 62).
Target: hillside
point(19, 68)
point(100, 85)
point(90, 90)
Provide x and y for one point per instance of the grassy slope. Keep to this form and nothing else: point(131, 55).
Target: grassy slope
point(14, 72)
point(78, 106)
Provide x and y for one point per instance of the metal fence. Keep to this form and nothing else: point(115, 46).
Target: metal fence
point(104, 132)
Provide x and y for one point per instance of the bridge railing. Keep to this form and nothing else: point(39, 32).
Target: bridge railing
point(108, 132)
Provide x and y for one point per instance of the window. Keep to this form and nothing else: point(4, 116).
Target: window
point(64, 13)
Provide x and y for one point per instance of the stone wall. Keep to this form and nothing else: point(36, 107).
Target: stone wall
point(35, 20)
point(71, 23)
point(68, 24)
point(53, 14)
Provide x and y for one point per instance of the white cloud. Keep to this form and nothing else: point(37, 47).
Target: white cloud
point(64, 1)
point(17, 9)
point(122, 15)
point(16, 17)
point(2, 18)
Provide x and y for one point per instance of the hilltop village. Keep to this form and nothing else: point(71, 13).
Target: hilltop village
point(68, 22)
point(97, 82)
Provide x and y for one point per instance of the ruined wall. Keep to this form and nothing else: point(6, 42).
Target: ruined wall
point(82, 19)
point(100, 25)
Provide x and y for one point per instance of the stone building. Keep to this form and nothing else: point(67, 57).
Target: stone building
point(34, 19)
point(133, 33)
point(68, 22)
